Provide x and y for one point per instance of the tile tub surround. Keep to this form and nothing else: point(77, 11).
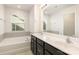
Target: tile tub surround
point(16, 34)
point(1, 36)
point(13, 34)
point(58, 41)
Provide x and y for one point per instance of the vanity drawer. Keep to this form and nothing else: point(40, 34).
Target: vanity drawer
point(40, 42)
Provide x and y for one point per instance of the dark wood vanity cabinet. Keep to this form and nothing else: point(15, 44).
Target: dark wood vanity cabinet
point(40, 47)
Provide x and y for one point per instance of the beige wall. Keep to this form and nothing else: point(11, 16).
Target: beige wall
point(31, 20)
point(2, 19)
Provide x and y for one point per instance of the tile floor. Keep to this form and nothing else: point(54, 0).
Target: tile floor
point(29, 52)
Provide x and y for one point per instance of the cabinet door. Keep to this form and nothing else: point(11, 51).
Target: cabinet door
point(33, 45)
point(47, 52)
point(50, 48)
point(53, 50)
point(39, 50)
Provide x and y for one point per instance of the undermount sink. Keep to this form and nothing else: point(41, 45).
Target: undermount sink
point(49, 38)
point(68, 40)
point(72, 41)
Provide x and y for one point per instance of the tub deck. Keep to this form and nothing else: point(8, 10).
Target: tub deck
point(15, 46)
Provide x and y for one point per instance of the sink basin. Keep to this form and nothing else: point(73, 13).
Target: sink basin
point(52, 39)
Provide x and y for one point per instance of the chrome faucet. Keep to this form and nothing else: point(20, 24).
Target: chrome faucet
point(41, 33)
point(68, 40)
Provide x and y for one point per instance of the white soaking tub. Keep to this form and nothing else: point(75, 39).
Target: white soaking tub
point(15, 45)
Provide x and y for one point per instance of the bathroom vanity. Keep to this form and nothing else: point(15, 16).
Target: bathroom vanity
point(50, 45)
point(40, 47)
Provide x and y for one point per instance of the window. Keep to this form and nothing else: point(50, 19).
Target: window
point(17, 23)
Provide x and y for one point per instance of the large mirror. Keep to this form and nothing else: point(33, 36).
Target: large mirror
point(61, 19)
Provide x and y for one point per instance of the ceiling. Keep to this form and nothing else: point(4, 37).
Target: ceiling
point(51, 8)
point(26, 7)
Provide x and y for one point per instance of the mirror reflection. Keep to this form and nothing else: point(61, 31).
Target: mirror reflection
point(69, 24)
point(61, 19)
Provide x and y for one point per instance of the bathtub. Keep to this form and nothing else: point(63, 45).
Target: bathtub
point(13, 46)
point(15, 40)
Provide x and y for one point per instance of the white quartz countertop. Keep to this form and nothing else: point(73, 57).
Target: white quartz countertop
point(58, 41)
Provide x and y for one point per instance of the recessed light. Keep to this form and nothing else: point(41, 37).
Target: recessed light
point(18, 6)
